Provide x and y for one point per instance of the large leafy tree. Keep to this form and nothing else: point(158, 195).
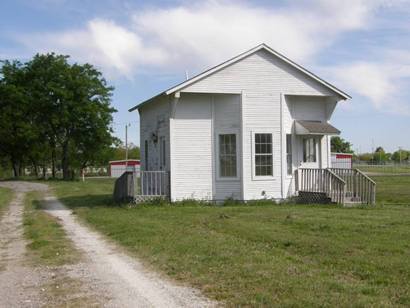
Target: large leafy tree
point(19, 134)
point(69, 111)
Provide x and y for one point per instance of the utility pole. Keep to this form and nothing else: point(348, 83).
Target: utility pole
point(126, 145)
point(400, 154)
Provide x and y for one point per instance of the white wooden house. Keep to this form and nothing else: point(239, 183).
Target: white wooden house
point(244, 129)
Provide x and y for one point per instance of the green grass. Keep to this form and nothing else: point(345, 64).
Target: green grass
point(5, 197)
point(385, 169)
point(48, 243)
point(392, 189)
point(288, 255)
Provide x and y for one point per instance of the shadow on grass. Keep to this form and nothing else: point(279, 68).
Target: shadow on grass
point(90, 201)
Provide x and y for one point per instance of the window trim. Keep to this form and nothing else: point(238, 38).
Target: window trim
point(217, 164)
point(262, 177)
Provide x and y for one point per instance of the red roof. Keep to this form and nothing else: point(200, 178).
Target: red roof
point(131, 162)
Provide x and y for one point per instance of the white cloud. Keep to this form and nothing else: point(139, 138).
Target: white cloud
point(383, 83)
point(196, 35)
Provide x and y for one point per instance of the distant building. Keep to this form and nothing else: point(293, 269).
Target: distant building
point(118, 167)
point(342, 160)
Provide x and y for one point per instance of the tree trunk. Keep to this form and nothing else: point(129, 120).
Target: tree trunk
point(65, 162)
point(16, 168)
point(34, 163)
point(53, 162)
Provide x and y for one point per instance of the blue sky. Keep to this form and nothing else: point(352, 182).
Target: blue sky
point(361, 46)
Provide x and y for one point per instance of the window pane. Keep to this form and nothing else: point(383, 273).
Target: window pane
point(227, 155)
point(289, 153)
point(263, 155)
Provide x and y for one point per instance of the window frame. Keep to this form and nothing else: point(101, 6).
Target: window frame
point(253, 151)
point(218, 170)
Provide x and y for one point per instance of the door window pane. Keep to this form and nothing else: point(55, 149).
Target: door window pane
point(289, 153)
point(309, 150)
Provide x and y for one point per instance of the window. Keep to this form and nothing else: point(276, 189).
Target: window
point(289, 153)
point(263, 155)
point(146, 155)
point(227, 155)
point(309, 150)
point(162, 153)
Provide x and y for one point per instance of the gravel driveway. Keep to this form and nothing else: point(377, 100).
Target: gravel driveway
point(117, 279)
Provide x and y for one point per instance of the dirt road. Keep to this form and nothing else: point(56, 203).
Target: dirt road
point(113, 277)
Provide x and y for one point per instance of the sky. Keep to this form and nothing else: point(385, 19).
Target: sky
point(144, 47)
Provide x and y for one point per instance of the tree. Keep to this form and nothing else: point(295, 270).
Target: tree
point(18, 132)
point(400, 156)
point(380, 156)
point(52, 110)
point(76, 100)
point(339, 145)
point(119, 152)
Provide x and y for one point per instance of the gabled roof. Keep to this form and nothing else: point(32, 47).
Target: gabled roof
point(239, 57)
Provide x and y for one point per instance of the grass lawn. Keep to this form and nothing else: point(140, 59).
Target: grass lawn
point(393, 189)
point(390, 169)
point(48, 243)
point(288, 255)
point(5, 197)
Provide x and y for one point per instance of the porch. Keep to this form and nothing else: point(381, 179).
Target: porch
point(334, 185)
point(312, 185)
point(141, 186)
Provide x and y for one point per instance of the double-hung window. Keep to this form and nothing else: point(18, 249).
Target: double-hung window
point(309, 150)
point(227, 156)
point(263, 157)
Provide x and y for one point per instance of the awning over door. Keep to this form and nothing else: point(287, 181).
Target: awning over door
point(315, 128)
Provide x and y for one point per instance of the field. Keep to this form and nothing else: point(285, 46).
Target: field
point(292, 255)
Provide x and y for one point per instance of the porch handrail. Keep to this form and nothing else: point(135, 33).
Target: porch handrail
point(321, 181)
point(359, 185)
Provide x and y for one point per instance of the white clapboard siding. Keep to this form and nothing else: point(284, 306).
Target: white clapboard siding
point(249, 96)
point(226, 119)
point(154, 118)
point(263, 79)
point(192, 148)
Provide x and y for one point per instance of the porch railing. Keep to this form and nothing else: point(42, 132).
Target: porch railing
point(359, 187)
point(151, 183)
point(321, 181)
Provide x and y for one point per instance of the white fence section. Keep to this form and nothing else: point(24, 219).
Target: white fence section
point(151, 183)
